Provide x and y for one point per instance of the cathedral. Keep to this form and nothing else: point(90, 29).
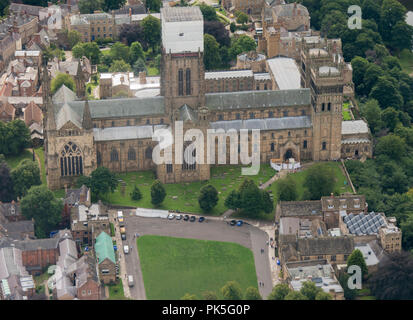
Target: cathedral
point(303, 122)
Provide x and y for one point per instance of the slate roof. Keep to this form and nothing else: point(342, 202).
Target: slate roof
point(126, 133)
point(326, 245)
point(104, 248)
point(257, 99)
point(63, 94)
point(15, 230)
point(112, 108)
point(354, 127)
point(287, 10)
point(286, 73)
point(264, 124)
point(300, 208)
point(187, 113)
point(178, 14)
point(10, 209)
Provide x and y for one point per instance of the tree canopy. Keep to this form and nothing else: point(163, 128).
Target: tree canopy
point(158, 193)
point(41, 205)
point(24, 176)
point(208, 198)
point(319, 181)
point(14, 137)
point(62, 79)
point(6, 183)
point(232, 291)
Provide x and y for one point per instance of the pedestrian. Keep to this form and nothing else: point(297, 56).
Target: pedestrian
point(263, 284)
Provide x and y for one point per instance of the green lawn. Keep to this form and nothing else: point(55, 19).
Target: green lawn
point(172, 267)
point(224, 178)
point(346, 111)
point(40, 154)
point(299, 178)
point(13, 161)
point(116, 291)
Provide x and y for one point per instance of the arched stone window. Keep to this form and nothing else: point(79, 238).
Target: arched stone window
point(148, 153)
point(324, 146)
point(272, 146)
point(71, 160)
point(99, 158)
point(188, 82)
point(114, 155)
point(131, 154)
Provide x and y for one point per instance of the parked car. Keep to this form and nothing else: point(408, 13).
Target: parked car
point(123, 236)
point(193, 218)
point(122, 230)
point(120, 220)
point(233, 222)
point(240, 223)
point(201, 219)
point(178, 217)
point(186, 217)
point(130, 281)
point(171, 216)
point(126, 249)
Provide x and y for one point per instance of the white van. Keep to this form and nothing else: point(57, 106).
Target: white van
point(126, 249)
point(120, 214)
point(130, 281)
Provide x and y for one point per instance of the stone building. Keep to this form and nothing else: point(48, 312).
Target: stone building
point(98, 25)
point(302, 119)
point(105, 256)
point(250, 7)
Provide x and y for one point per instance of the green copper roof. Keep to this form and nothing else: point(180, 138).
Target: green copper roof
point(104, 248)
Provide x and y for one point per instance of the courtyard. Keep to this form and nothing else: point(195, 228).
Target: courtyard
point(172, 267)
point(167, 267)
point(184, 196)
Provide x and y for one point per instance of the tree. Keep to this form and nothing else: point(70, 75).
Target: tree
point(208, 198)
point(287, 189)
point(152, 31)
point(267, 203)
point(356, 258)
point(232, 27)
point(133, 33)
point(73, 38)
point(391, 13)
point(24, 176)
point(209, 295)
point(310, 290)
point(323, 296)
point(252, 293)
point(320, 181)
point(153, 5)
point(136, 194)
point(359, 66)
point(371, 111)
point(233, 200)
point(89, 6)
point(136, 52)
point(242, 17)
point(139, 66)
point(407, 235)
point(158, 193)
point(295, 295)
point(390, 118)
point(218, 31)
point(212, 59)
point(88, 49)
point(120, 66)
point(14, 137)
point(6, 183)
point(392, 146)
point(188, 296)
point(393, 279)
point(41, 205)
point(4, 4)
point(250, 197)
point(62, 79)
point(208, 12)
point(349, 294)
point(232, 291)
point(109, 5)
point(119, 51)
point(279, 292)
point(100, 182)
point(386, 93)
point(241, 44)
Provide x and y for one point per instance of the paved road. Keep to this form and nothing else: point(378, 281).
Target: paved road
point(212, 229)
